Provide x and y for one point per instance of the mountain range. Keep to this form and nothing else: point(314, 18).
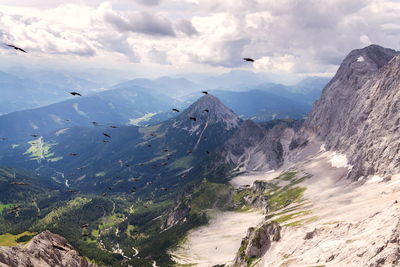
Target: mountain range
point(318, 188)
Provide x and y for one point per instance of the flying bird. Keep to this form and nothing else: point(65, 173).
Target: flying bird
point(205, 92)
point(193, 118)
point(3, 138)
point(176, 110)
point(105, 141)
point(113, 126)
point(16, 48)
point(248, 59)
point(148, 145)
point(18, 183)
point(73, 154)
point(95, 123)
point(35, 135)
point(75, 93)
point(106, 135)
point(206, 110)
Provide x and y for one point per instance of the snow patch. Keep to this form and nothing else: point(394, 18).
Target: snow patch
point(375, 179)
point(322, 148)
point(360, 59)
point(339, 161)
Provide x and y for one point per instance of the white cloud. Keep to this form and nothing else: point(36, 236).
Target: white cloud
point(276, 64)
point(285, 36)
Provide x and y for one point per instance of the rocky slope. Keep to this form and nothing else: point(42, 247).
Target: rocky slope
point(257, 242)
point(45, 249)
point(358, 113)
point(256, 148)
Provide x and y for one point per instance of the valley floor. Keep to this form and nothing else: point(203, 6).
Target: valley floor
point(339, 223)
point(217, 242)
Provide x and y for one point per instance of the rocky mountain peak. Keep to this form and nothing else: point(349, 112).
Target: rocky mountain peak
point(358, 113)
point(209, 109)
point(364, 61)
point(45, 249)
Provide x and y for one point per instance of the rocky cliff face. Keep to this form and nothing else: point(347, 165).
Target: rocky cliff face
point(257, 242)
point(45, 249)
point(255, 148)
point(178, 214)
point(358, 113)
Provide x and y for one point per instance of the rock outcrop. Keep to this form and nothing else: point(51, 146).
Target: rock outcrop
point(257, 242)
point(44, 250)
point(358, 113)
point(176, 215)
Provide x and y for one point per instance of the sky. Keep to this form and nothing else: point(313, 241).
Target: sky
point(162, 37)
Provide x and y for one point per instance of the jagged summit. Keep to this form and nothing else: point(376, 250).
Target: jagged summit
point(209, 109)
point(364, 61)
point(358, 113)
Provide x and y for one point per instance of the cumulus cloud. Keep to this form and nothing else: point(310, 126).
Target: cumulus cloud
point(35, 35)
point(276, 64)
point(141, 22)
point(285, 36)
point(186, 27)
point(148, 2)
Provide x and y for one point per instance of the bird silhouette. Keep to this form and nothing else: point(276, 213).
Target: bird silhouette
point(73, 154)
point(95, 123)
point(248, 59)
point(206, 110)
point(35, 135)
point(16, 48)
point(175, 110)
point(113, 126)
point(18, 183)
point(106, 135)
point(75, 93)
point(205, 92)
point(193, 118)
point(3, 138)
